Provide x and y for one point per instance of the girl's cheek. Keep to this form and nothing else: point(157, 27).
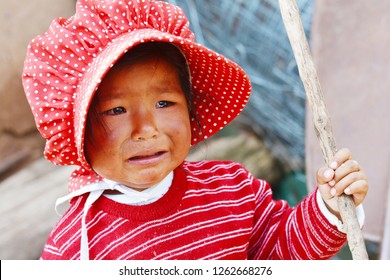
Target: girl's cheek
point(116, 134)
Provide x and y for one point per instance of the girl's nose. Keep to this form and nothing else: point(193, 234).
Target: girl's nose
point(144, 126)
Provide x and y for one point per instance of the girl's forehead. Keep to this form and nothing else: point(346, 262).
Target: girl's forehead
point(155, 75)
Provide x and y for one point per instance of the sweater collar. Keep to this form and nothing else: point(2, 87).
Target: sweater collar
point(134, 197)
point(152, 211)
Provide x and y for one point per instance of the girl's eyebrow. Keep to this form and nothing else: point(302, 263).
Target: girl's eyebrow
point(114, 94)
point(164, 86)
point(161, 89)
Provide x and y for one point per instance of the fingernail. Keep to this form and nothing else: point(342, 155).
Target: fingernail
point(347, 191)
point(328, 173)
point(333, 192)
point(332, 183)
point(333, 165)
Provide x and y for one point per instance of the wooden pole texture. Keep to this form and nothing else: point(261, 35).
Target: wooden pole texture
point(322, 122)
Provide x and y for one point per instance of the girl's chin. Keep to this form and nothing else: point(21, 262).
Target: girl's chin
point(138, 188)
point(141, 185)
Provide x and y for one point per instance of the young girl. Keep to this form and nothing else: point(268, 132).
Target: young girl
point(123, 91)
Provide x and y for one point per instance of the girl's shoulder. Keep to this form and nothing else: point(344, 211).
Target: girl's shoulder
point(228, 177)
point(224, 172)
point(209, 169)
point(212, 166)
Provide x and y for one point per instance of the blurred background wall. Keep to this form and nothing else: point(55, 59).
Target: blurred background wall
point(20, 21)
point(26, 206)
point(350, 44)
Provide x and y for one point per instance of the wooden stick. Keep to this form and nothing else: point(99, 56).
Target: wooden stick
point(322, 123)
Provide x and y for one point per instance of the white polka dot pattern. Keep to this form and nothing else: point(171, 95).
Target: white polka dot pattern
point(65, 65)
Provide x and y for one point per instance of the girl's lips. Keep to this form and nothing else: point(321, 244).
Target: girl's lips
point(147, 159)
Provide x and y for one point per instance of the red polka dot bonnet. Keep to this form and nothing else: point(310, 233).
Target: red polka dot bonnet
point(64, 66)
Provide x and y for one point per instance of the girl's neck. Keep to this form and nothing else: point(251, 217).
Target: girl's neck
point(140, 197)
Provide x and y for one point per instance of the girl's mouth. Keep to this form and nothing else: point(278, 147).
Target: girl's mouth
point(147, 159)
point(146, 156)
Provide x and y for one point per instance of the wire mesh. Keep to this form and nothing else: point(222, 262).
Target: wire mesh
point(251, 32)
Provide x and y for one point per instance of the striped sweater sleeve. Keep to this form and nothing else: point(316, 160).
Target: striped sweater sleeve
point(51, 251)
point(283, 232)
point(54, 250)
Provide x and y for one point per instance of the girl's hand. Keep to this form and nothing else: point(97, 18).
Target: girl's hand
point(344, 175)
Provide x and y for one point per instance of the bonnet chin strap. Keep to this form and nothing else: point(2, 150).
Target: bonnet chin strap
point(95, 190)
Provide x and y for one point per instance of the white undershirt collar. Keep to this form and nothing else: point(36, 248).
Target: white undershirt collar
point(133, 197)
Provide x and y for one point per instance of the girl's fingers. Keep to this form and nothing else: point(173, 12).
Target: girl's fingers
point(358, 190)
point(343, 175)
point(352, 183)
point(348, 167)
point(325, 190)
point(342, 165)
point(348, 180)
point(324, 175)
point(340, 157)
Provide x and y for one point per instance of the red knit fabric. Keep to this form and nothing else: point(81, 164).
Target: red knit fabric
point(213, 210)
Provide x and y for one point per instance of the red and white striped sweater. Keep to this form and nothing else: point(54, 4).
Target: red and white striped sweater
point(213, 210)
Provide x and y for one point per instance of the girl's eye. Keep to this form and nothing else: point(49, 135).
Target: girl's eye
point(163, 104)
point(115, 111)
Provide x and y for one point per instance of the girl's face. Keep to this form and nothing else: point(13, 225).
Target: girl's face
point(144, 130)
